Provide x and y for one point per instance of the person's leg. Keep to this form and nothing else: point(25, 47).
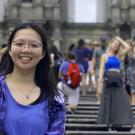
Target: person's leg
point(99, 92)
point(99, 87)
point(133, 98)
point(83, 84)
point(73, 99)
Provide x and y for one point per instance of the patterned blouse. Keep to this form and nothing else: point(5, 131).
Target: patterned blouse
point(130, 72)
point(56, 113)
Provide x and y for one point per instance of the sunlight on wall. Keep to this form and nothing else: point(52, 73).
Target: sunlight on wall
point(2, 5)
point(85, 11)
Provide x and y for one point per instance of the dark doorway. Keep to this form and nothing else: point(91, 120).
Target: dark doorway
point(125, 31)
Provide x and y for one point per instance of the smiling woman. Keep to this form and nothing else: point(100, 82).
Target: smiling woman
point(31, 102)
point(26, 49)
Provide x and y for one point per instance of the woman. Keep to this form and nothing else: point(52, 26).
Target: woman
point(115, 108)
point(130, 71)
point(30, 104)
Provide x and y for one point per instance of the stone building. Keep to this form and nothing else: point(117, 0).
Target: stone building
point(68, 20)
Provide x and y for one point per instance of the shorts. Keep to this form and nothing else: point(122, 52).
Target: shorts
point(72, 94)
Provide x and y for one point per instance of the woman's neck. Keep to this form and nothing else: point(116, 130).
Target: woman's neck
point(111, 52)
point(22, 77)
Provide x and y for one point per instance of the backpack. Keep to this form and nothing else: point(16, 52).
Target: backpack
point(73, 77)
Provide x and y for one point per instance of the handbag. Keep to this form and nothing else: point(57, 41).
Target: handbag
point(113, 78)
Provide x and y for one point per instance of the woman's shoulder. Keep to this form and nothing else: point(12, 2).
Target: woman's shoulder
point(58, 103)
point(59, 98)
point(2, 77)
point(104, 57)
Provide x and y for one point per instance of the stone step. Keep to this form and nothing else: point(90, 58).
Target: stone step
point(79, 116)
point(86, 112)
point(91, 127)
point(84, 120)
point(90, 112)
point(88, 127)
point(98, 133)
point(81, 121)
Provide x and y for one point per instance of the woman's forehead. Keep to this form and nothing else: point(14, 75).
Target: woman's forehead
point(27, 34)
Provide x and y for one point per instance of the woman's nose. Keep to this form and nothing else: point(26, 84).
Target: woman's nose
point(26, 48)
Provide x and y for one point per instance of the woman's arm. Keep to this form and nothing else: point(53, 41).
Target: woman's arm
point(57, 117)
point(125, 47)
point(101, 72)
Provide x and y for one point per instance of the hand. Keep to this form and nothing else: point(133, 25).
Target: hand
point(118, 38)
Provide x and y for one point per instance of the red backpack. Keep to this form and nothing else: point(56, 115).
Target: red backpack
point(73, 76)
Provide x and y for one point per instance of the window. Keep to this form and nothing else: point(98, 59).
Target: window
point(86, 11)
point(27, 1)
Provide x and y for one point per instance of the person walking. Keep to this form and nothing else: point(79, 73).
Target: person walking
point(70, 74)
point(130, 71)
point(98, 52)
point(30, 104)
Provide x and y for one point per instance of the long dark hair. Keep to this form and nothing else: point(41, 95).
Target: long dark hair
point(43, 77)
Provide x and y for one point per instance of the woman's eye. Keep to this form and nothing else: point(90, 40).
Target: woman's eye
point(19, 44)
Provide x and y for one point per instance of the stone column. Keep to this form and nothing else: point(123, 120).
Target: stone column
point(70, 10)
point(56, 23)
point(132, 11)
point(57, 37)
point(124, 10)
point(2, 14)
point(101, 11)
point(115, 12)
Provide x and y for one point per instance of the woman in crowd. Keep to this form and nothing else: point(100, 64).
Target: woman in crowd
point(130, 71)
point(115, 109)
point(30, 103)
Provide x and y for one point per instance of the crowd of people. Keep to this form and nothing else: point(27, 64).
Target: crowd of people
point(35, 78)
point(107, 66)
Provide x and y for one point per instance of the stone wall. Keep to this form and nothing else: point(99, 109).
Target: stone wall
point(54, 15)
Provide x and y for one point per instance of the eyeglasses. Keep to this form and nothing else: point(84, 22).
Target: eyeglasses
point(22, 44)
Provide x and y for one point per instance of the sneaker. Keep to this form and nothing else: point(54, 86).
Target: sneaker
point(70, 111)
point(110, 130)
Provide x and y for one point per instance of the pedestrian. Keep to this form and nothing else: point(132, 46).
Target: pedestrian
point(115, 110)
point(56, 60)
point(30, 103)
point(83, 53)
point(98, 52)
point(70, 74)
point(130, 71)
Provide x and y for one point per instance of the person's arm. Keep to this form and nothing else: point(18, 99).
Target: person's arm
point(125, 47)
point(57, 117)
point(101, 71)
point(3, 50)
point(93, 63)
point(52, 59)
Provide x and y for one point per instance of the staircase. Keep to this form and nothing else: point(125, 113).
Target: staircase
point(83, 121)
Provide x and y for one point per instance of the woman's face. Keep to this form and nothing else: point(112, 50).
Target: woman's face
point(115, 45)
point(26, 49)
